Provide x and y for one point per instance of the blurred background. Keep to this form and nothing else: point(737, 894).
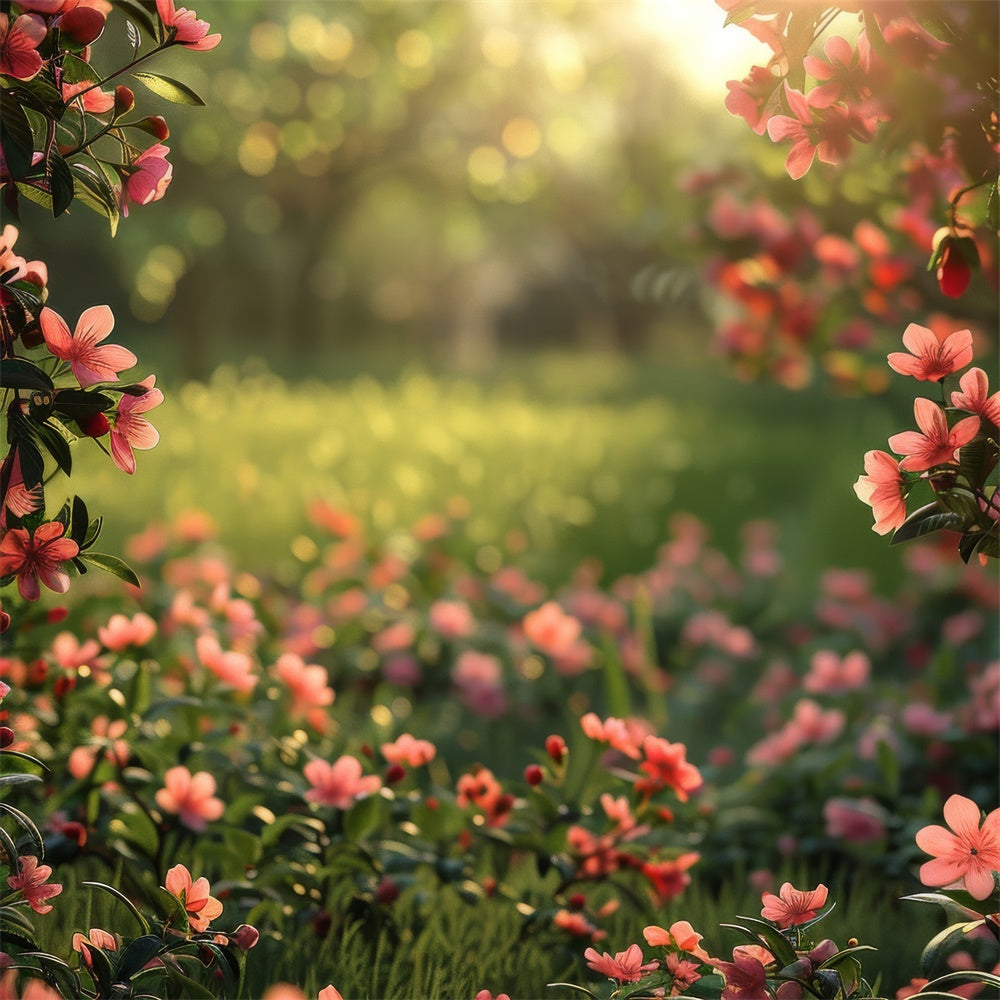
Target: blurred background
point(424, 256)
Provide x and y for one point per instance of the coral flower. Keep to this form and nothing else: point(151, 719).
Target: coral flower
point(884, 490)
point(329, 993)
point(930, 359)
point(339, 784)
point(935, 443)
point(202, 908)
point(188, 30)
point(551, 629)
point(31, 883)
point(973, 396)
point(971, 853)
point(97, 938)
point(150, 177)
point(122, 631)
point(681, 936)
point(746, 978)
point(626, 966)
point(409, 750)
point(792, 906)
point(37, 558)
point(19, 43)
point(191, 796)
point(665, 764)
point(130, 429)
point(90, 362)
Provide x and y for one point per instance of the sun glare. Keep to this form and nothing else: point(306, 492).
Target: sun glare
point(707, 53)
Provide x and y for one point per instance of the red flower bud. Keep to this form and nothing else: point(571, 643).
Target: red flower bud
point(96, 425)
point(533, 774)
point(395, 774)
point(4, 621)
point(555, 747)
point(6, 737)
point(56, 614)
point(953, 273)
point(387, 892)
point(245, 936)
point(577, 901)
point(155, 125)
point(63, 685)
point(124, 100)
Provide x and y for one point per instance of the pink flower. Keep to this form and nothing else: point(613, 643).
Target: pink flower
point(201, 907)
point(626, 966)
point(94, 100)
point(329, 993)
point(485, 995)
point(30, 882)
point(746, 978)
point(793, 906)
point(973, 396)
point(19, 500)
point(191, 796)
point(90, 363)
point(37, 558)
point(844, 72)
point(680, 937)
point(130, 430)
point(188, 30)
point(339, 784)
point(829, 674)
point(308, 683)
point(19, 43)
point(967, 852)
point(230, 666)
point(666, 765)
point(479, 679)
point(551, 629)
point(931, 359)
point(860, 821)
point(97, 938)
point(122, 632)
point(612, 731)
point(408, 750)
point(884, 490)
point(149, 179)
point(71, 654)
point(747, 98)
point(451, 619)
point(935, 443)
point(802, 130)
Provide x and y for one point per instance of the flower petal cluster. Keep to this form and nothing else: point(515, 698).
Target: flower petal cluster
point(935, 443)
point(191, 797)
point(793, 906)
point(188, 30)
point(929, 358)
point(19, 55)
point(883, 488)
point(131, 429)
point(37, 557)
point(31, 883)
point(626, 966)
point(195, 896)
point(339, 784)
point(90, 362)
point(966, 853)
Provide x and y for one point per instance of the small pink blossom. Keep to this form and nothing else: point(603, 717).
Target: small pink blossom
point(187, 29)
point(409, 750)
point(884, 489)
point(202, 908)
point(30, 882)
point(936, 443)
point(191, 797)
point(966, 853)
point(309, 683)
point(973, 396)
point(230, 666)
point(19, 56)
point(612, 731)
point(94, 100)
point(930, 358)
point(551, 629)
point(149, 178)
point(680, 937)
point(859, 821)
point(91, 361)
point(831, 674)
point(451, 619)
point(339, 784)
point(121, 632)
point(130, 429)
point(626, 966)
point(329, 993)
point(97, 938)
point(793, 906)
point(37, 557)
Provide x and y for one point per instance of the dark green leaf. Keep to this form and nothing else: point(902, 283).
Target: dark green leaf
point(95, 191)
point(57, 446)
point(949, 905)
point(78, 404)
point(19, 373)
point(775, 942)
point(135, 955)
point(27, 824)
point(143, 922)
point(190, 988)
point(925, 520)
point(77, 70)
point(80, 521)
point(16, 137)
point(93, 533)
point(141, 16)
point(111, 564)
point(941, 945)
point(169, 89)
point(6, 780)
point(60, 183)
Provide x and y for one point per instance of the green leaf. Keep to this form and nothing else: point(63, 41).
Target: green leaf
point(35, 194)
point(941, 945)
point(970, 976)
point(775, 942)
point(111, 564)
point(143, 922)
point(925, 520)
point(19, 373)
point(56, 445)
point(169, 89)
point(15, 136)
point(190, 989)
point(6, 780)
point(949, 905)
point(137, 954)
point(95, 191)
point(77, 70)
point(60, 182)
point(27, 824)
point(77, 404)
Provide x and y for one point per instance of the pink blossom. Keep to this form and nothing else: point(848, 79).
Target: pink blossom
point(667, 766)
point(90, 362)
point(680, 937)
point(329, 993)
point(831, 674)
point(479, 679)
point(71, 654)
point(19, 500)
point(187, 29)
point(37, 557)
point(973, 396)
point(922, 719)
point(613, 731)
point(931, 358)
point(94, 100)
point(201, 907)
point(130, 429)
point(308, 683)
point(451, 619)
point(843, 73)
point(231, 667)
point(793, 906)
point(935, 443)
point(19, 56)
point(121, 632)
point(748, 98)
point(409, 750)
point(967, 852)
point(97, 938)
point(860, 821)
point(339, 784)
point(148, 179)
point(551, 629)
point(191, 797)
point(883, 488)
point(30, 882)
point(745, 976)
point(626, 966)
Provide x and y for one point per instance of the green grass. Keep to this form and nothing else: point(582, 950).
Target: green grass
point(585, 455)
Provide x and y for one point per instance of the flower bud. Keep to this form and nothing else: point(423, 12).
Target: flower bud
point(155, 125)
point(245, 936)
point(533, 775)
point(57, 614)
point(95, 425)
point(395, 774)
point(953, 273)
point(6, 737)
point(824, 950)
point(387, 891)
point(124, 100)
point(555, 747)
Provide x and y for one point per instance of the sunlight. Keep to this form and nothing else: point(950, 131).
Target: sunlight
point(707, 53)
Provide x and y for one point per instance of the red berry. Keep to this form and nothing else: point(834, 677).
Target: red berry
point(953, 273)
point(395, 774)
point(533, 774)
point(95, 426)
point(555, 747)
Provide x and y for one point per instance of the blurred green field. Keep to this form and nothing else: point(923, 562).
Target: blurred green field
point(578, 455)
